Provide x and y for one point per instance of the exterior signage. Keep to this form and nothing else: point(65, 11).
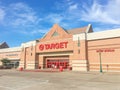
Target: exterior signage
point(53, 46)
point(105, 50)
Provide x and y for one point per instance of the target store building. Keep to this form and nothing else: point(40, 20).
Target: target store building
point(80, 48)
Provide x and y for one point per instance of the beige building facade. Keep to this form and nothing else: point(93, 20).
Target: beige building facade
point(13, 54)
point(80, 48)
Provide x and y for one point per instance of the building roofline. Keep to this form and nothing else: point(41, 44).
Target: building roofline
point(10, 49)
point(104, 34)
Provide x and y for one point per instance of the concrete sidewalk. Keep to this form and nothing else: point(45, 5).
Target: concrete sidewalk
point(16, 80)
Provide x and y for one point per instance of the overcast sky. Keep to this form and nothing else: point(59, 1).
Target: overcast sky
point(25, 20)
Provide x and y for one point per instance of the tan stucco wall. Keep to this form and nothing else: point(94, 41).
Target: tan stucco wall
point(28, 55)
point(10, 53)
point(110, 60)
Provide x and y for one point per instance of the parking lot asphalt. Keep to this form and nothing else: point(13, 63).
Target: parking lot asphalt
point(68, 80)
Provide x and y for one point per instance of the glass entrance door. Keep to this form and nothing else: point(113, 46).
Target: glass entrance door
point(53, 63)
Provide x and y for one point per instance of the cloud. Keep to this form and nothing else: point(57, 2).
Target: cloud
point(18, 14)
point(108, 14)
point(43, 31)
point(73, 7)
point(2, 14)
point(21, 14)
point(21, 18)
point(54, 18)
point(69, 13)
point(102, 14)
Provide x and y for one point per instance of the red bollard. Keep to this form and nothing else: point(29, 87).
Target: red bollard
point(21, 69)
point(70, 68)
point(39, 67)
point(61, 68)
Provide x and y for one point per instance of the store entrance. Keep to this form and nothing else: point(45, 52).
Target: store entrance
point(56, 62)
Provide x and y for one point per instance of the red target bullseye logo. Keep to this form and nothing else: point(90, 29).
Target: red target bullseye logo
point(41, 47)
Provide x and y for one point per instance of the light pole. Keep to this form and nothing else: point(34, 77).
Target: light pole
point(100, 62)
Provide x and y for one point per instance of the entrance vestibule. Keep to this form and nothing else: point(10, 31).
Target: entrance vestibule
point(56, 62)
